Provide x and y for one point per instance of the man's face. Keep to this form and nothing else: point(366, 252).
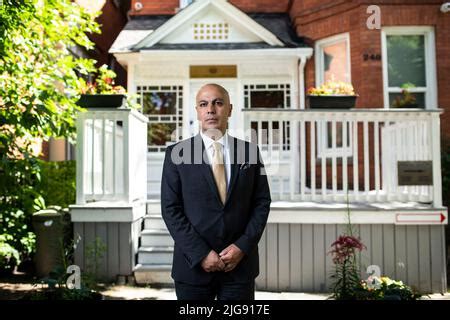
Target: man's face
point(213, 108)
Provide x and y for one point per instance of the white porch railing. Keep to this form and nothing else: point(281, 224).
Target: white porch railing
point(356, 159)
point(111, 155)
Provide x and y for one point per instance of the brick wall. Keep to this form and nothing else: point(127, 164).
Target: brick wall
point(156, 7)
point(112, 21)
point(314, 20)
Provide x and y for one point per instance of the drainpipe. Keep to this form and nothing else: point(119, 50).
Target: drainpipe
point(301, 78)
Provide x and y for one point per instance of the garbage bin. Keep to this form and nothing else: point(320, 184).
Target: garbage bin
point(49, 228)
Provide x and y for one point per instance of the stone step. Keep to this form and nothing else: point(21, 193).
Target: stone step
point(154, 222)
point(156, 238)
point(153, 274)
point(155, 255)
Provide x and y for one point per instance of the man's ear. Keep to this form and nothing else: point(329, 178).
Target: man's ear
point(198, 116)
point(231, 109)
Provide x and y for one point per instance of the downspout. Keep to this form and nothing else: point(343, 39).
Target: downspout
point(301, 82)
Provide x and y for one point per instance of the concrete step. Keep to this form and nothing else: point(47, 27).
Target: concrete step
point(155, 255)
point(154, 222)
point(156, 238)
point(153, 274)
point(154, 207)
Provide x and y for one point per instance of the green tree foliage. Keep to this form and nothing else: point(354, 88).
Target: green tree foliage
point(39, 86)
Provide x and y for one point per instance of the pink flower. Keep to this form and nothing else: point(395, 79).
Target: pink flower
point(344, 247)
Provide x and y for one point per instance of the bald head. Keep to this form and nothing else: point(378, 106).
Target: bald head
point(208, 86)
point(213, 107)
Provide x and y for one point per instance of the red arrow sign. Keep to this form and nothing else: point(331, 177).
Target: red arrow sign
point(420, 218)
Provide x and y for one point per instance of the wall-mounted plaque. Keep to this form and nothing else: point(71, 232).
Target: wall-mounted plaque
point(415, 173)
point(214, 71)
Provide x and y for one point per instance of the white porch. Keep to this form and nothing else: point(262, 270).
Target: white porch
point(310, 201)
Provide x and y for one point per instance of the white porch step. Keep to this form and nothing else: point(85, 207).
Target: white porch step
point(154, 207)
point(154, 222)
point(153, 274)
point(156, 238)
point(155, 255)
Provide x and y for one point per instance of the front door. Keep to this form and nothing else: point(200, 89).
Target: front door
point(234, 121)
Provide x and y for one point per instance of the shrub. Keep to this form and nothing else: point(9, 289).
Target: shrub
point(9, 257)
point(58, 183)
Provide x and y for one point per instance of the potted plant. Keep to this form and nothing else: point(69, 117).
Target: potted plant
point(103, 93)
point(332, 94)
point(406, 99)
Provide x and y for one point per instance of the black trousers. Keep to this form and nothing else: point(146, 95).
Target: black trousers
point(218, 288)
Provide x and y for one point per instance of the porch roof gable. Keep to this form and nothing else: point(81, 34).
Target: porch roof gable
point(257, 30)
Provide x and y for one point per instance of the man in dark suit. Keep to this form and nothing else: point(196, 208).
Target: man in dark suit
point(215, 201)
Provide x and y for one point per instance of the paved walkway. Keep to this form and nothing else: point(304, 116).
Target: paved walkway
point(149, 293)
point(140, 293)
point(16, 287)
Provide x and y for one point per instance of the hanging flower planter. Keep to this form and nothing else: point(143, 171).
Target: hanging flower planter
point(331, 102)
point(102, 100)
point(332, 95)
point(103, 93)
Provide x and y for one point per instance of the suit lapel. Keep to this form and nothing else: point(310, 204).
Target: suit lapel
point(234, 166)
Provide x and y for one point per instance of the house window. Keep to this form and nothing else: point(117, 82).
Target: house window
point(276, 96)
point(267, 96)
point(185, 3)
point(163, 107)
point(332, 60)
point(409, 63)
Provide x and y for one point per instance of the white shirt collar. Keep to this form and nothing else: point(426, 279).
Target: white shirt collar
point(208, 141)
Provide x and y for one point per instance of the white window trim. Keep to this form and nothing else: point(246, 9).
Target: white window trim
point(430, 63)
point(319, 57)
point(322, 141)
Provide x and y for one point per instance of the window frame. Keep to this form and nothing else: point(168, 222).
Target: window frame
point(322, 129)
point(280, 86)
point(176, 118)
point(430, 90)
point(319, 56)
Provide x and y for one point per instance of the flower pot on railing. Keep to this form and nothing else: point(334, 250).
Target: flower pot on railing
point(332, 95)
point(331, 101)
point(102, 100)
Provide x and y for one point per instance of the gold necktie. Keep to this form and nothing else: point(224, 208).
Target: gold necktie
point(219, 171)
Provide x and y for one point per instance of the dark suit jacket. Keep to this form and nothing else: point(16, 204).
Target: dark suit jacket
point(196, 218)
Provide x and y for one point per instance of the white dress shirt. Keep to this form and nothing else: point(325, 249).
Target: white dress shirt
point(224, 141)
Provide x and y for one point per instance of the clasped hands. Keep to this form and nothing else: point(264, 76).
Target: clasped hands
point(225, 261)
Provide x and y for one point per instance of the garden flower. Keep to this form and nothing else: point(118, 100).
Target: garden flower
point(332, 87)
point(344, 247)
